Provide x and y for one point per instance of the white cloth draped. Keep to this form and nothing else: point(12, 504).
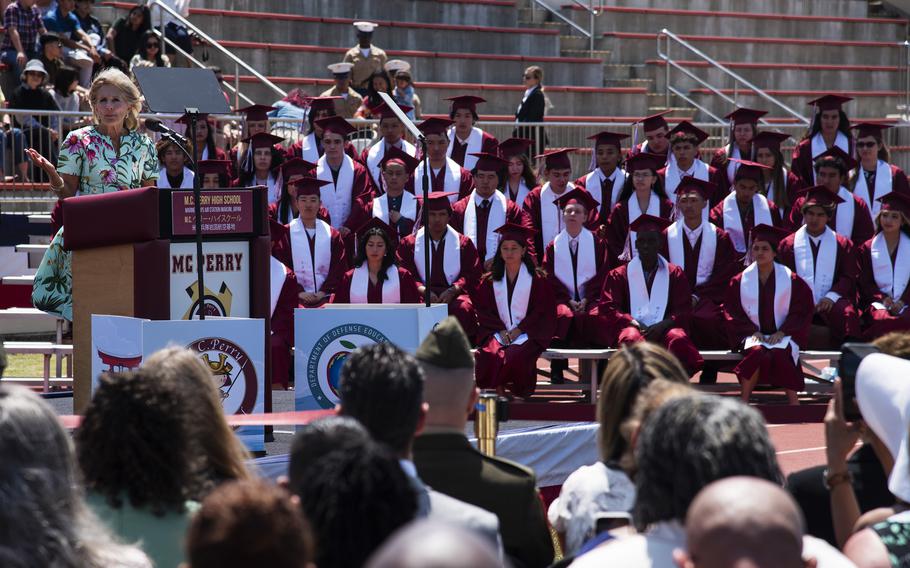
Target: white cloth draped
point(675, 236)
point(646, 308)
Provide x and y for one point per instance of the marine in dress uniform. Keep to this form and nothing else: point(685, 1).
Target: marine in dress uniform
point(768, 309)
point(830, 127)
point(454, 267)
point(851, 217)
point(649, 299)
point(478, 215)
point(884, 270)
point(516, 313)
point(827, 262)
point(376, 278)
point(605, 181)
point(443, 173)
point(365, 57)
point(466, 139)
point(392, 131)
point(743, 128)
point(576, 262)
point(745, 207)
point(348, 100)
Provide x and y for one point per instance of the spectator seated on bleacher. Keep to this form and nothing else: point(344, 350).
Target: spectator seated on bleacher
point(23, 23)
point(37, 129)
point(404, 93)
point(51, 55)
point(78, 49)
point(124, 35)
point(69, 97)
point(93, 29)
point(149, 53)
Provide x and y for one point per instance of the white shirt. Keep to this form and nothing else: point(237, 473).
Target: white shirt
point(366, 52)
point(692, 234)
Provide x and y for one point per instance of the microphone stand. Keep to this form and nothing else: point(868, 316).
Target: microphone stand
point(193, 115)
point(425, 219)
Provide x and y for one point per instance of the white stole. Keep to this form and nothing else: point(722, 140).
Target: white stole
point(408, 206)
point(360, 281)
point(676, 234)
point(890, 278)
point(882, 186)
point(748, 297)
point(550, 213)
point(819, 146)
point(277, 277)
point(451, 260)
point(304, 263)
point(186, 183)
point(475, 145)
point(674, 175)
point(596, 177)
point(731, 165)
point(521, 297)
point(635, 213)
point(497, 218)
point(770, 192)
point(843, 217)
point(309, 151)
point(819, 277)
point(337, 198)
point(586, 268)
point(452, 181)
point(734, 225)
point(523, 191)
point(377, 153)
point(646, 308)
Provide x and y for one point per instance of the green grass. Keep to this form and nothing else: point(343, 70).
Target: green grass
point(25, 366)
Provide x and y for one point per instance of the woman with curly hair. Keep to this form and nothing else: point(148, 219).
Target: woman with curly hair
point(44, 520)
point(134, 449)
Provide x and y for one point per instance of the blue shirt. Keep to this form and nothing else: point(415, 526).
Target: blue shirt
point(62, 25)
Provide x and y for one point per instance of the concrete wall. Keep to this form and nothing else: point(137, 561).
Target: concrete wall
point(842, 8)
point(861, 107)
point(793, 79)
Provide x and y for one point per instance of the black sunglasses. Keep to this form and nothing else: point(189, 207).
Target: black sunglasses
point(866, 144)
point(153, 44)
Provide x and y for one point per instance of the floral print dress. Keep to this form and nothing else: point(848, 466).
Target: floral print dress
point(89, 154)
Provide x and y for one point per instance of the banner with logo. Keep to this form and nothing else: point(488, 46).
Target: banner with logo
point(227, 280)
point(324, 337)
point(232, 348)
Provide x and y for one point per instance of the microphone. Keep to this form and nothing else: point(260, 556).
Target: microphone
point(156, 125)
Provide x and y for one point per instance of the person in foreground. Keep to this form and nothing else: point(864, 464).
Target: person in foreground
point(44, 520)
point(447, 461)
point(110, 155)
point(432, 543)
point(743, 522)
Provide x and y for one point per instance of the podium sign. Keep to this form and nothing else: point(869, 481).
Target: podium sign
point(325, 337)
point(233, 349)
point(227, 280)
point(224, 211)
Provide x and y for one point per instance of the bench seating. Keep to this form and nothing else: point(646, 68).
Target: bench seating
point(47, 349)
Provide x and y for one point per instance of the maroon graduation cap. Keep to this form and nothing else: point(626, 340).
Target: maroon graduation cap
point(819, 195)
point(514, 232)
point(769, 140)
point(646, 223)
point(745, 116)
point(256, 112)
point(579, 196)
point(336, 124)
point(556, 159)
point(895, 201)
point(394, 154)
point(606, 137)
point(309, 186)
point(834, 153)
point(691, 184)
point(686, 127)
point(514, 147)
point(469, 102)
point(830, 102)
point(489, 162)
point(749, 170)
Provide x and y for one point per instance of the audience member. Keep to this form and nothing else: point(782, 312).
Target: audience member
point(68, 97)
point(174, 30)
point(23, 25)
point(382, 388)
point(532, 108)
point(295, 109)
point(134, 449)
point(352, 491)
point(592, 490)
point(44, 520)
point(366, 57)
point(404, 94)
point(249, 523)
point(743, 522)
point(379, 83)
point(51, 55)
point(92, 28)
point(78, 49)
point(449, 463)
point(149, 53)
point(125, 35)
point(432, 544)
point(31, 95)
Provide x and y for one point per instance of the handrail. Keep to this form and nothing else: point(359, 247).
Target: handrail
point(692, 102)
point(587, 33)
point(665, 56)
point(238, 63)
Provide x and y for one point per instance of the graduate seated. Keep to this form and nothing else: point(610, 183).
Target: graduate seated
point(540, 205)
point(521, 178)
point(827, 262)
point(443, 173)
point(391, 131)
point(310, 147)
point(607, 179)
point(516, 313)
point(262, 169)
point(684, 160)
point(743, 129)
point(376, 278)
point(648, 299)
point(576, 262)
point(216, 174)
point(173, 173)
point(657, 141)
point(830, 128)
point(884, 270)
point(642, 194)
point(285, 209)
point(851, 217)
point(348, 179)
point(780, 185)
point(875, 177)
point(255, 121)
point(768, 309)
point(706, 256)
point(465, 139)
point(745, 207)
point(454, 267)
point(486, 209)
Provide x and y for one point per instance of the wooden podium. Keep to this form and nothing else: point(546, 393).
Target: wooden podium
point(134, 255)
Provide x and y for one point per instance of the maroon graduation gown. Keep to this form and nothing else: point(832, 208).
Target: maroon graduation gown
point(514, 214)
point(863, 228)
point(716, 216)
point(706, 327)
point(460, 306)
point(618, 227)
point(842, 320)
point(361, 212)
point(513, 366)
point(282, 338)
point(614, 309)
point(877, 322)
point(575, 329)
point(406, 283)
point(488, 144)
point(598, 219)
point(437, 182)
point(775, 366)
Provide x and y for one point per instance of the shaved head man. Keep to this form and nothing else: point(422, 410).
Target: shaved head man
point(743, 522)
point(432, 544)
